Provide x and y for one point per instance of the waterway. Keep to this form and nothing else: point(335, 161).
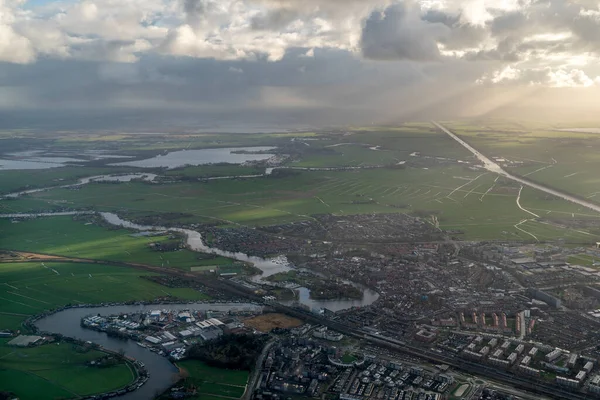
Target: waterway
point(493, 167)
point(175, 159)
point(84, 181)
point(161, 370)
point(267, 266)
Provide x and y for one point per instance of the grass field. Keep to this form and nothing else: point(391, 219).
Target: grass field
point(433, 185)
point(379, 145)
point(460, 198)
point(564, 160)
point(75, 238)
point(221, 383)
point(583, 259)
point(348, 358)
point(56, 371)
point(30, 288)
point(206, 171)
point(14, 180)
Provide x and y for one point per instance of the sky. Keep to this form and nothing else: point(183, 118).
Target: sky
point(311, 62)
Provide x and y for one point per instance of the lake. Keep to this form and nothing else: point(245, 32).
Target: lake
point(182, 158)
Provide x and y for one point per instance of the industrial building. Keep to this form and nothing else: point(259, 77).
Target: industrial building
point(543, 296)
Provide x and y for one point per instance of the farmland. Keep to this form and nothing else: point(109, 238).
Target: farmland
point(58, 371)
point(83, 239)
point(561, 159)
point(210, 381)
point(459, 198)
point(14, 180)
point(31, 288)
point(421, 172)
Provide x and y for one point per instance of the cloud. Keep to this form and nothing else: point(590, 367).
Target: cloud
point(346, 57)
point(399, 33)
point(13, 46)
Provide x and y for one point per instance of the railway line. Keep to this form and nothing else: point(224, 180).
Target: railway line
point(470, 367)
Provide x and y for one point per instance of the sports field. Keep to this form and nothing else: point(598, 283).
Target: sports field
point(81, 239)
point(56, 371)
point(214, 382)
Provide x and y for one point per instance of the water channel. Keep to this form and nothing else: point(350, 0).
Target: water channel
point(267, 266)
point(160, 369)
point(67, 322)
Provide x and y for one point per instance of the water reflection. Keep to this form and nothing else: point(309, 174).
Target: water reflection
point(182, 158)
point(160, 369)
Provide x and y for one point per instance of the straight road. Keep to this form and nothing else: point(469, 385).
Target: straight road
point(493, 167)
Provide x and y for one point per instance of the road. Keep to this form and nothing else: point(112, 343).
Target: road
point(493, 167)
point(258, 367)
point(377, 340)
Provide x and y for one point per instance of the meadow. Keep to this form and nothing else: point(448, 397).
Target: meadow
point(66, 236)
point(220, 383)
point(31, 288)
point(568, 161)
point(435, 183)
point(16, 180)
point(207, 171)
point(453, 196)
point(58, 371)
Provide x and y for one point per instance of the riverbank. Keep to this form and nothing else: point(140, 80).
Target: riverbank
point(65, 321)
point(77, 367)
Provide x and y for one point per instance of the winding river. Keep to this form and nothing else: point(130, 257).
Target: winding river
point(194, 241)
point(67, 322)
point(160, 369)
point(267, 266)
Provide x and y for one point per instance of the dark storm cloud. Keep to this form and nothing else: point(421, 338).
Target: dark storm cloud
point(274, 20)
point(195, 10)
point(398, 33)
point(442, 17)
point(508, 23)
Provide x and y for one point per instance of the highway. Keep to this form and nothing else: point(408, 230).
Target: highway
point(493, 167)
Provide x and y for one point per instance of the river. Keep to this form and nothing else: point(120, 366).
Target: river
point(84, 181)
point(161, 370)
point(267, 266)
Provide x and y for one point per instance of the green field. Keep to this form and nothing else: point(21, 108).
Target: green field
point(460, 199)
point(348, 358)
point(31, 288)
point(583, 259)
point(206, 171)
point(378, 146)
point(214, 381)
point(14, 180)
point(58, 371)
point(433, 184)
point(564, 160)
point(80, 239)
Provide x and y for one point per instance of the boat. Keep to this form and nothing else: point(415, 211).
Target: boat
point(141, 344)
